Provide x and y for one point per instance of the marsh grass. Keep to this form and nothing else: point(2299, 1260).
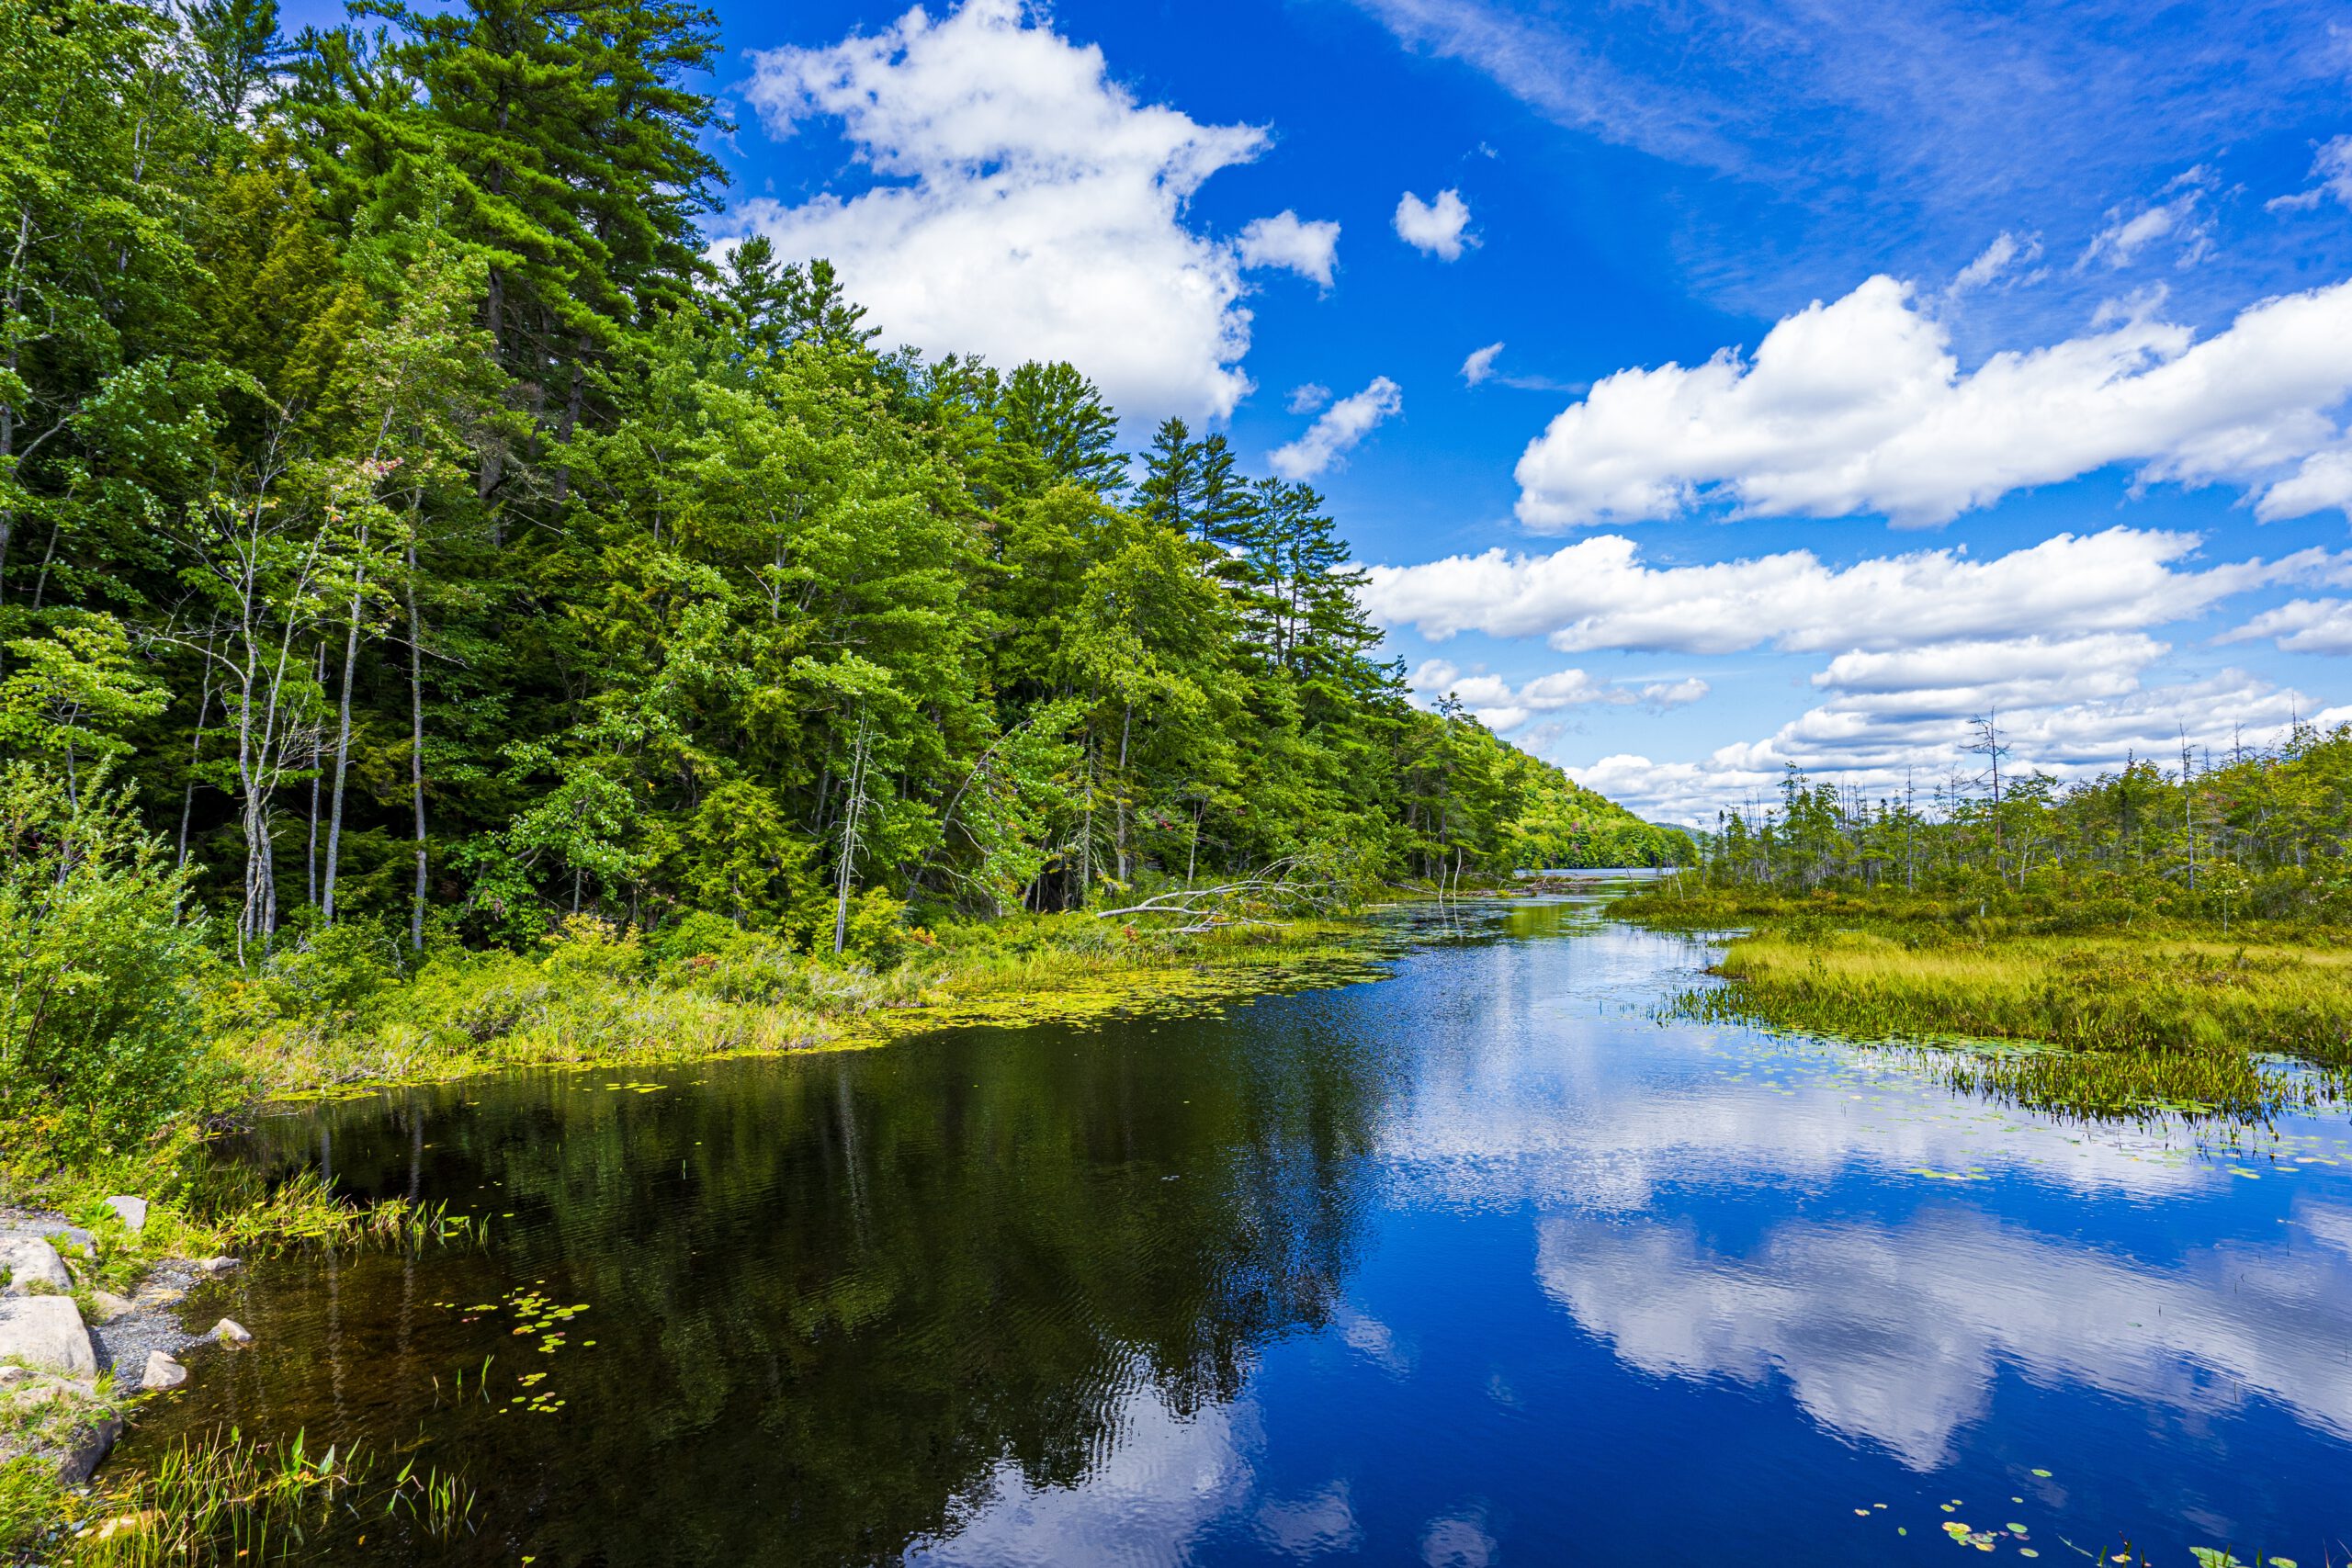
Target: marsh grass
point(2147, 995)
point(228, 1500)
point(33, 1504)
point(305, 1212)
point(2044, 1008)
point(595, 997)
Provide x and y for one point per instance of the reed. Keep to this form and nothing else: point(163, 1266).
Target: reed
point(226, 1500)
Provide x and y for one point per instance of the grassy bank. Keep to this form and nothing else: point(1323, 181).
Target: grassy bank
point(344, 1010)
point(594, 996)
point(2138, 1016)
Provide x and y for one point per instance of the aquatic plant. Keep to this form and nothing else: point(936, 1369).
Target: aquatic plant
point(227, 1499)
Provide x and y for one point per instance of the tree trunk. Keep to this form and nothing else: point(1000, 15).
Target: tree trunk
point(194, 755)
point(343, 730)
point(1126, 722)
point(416, 744)
point(318, 761)
point(849, 834)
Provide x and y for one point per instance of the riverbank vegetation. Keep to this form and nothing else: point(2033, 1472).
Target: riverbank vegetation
point(458, 606)
point(2164, 925)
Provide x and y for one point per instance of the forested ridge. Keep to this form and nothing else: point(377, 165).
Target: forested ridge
point(394, 489)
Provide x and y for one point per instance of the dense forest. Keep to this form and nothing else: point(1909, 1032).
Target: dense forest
point(403, 493)
point(2260, 832)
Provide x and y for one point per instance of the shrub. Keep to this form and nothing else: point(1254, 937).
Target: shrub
point(99, 1036)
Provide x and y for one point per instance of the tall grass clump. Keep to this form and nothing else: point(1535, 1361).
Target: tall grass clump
point(227, 1501)
point(2117, 1026)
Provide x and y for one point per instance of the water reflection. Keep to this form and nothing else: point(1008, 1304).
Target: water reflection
point(1896, 1336)
point(914, 1294)
point(1483, 1262)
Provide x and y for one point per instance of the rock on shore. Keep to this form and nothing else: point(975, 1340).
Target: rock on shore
point(45, 1333)
point(50, 1360)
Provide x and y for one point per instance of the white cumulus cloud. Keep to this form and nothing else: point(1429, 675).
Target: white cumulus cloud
point(2053, 637)
point(1501, 707)
point(1437, 226)
point(1883, 749)
point(2322, 483)
point(1861, 406)
point(1341, 427)
point(1030, 207)
point(1979, 676)
point(1286, 241)
point(2302, 625)
point(1481, 365)
point(1599, 594)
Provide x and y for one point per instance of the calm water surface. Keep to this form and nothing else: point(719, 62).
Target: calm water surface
point(1479, 1264)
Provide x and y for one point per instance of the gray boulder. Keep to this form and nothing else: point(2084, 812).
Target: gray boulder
point(46, 1333)
point(88, 1450)
point(133, 1211)
point(228, 1331)
point(56, 1231)
point(163, 1373)
point(32, 1263)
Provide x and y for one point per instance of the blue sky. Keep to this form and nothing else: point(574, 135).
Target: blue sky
point(1864, 367)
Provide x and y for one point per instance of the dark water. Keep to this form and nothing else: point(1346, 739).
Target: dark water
point(1478, 1264)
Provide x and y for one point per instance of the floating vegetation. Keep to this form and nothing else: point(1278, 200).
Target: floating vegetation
point(538, 1318)
point(229, 1500)
point(2020, 1538)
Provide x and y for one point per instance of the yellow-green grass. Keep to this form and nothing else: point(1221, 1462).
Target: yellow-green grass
point(2103, 992)
point(600, 1001)
point(2145, 1023)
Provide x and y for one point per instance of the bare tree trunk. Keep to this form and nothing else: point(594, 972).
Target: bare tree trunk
point(318, 765)
point(849, 833)
point(1126, 722)
point(1086, 833)
point(343, 729)
point(194, 755)
point(416, 744)
point(8, 409)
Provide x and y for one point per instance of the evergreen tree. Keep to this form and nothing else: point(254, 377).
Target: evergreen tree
point(1057, 413)
point(237, 51)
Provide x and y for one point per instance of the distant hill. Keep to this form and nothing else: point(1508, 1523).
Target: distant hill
point(1562, 825)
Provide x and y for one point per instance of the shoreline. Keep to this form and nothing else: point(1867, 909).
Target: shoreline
point(1234, 963)
point(68, 1391)
point(45, 1484)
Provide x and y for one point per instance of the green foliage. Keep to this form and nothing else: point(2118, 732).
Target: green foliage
point(453, 551)
point(73, 693)
point(98, 1035)
point(2164, 929)
point(2262, 836)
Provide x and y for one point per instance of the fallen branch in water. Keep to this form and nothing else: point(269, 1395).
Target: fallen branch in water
point(1206, 907)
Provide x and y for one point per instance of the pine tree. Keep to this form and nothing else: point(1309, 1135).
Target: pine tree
point(237, 52)
point(1059, 414)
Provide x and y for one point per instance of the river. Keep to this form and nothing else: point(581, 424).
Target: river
point(1481, 1263)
